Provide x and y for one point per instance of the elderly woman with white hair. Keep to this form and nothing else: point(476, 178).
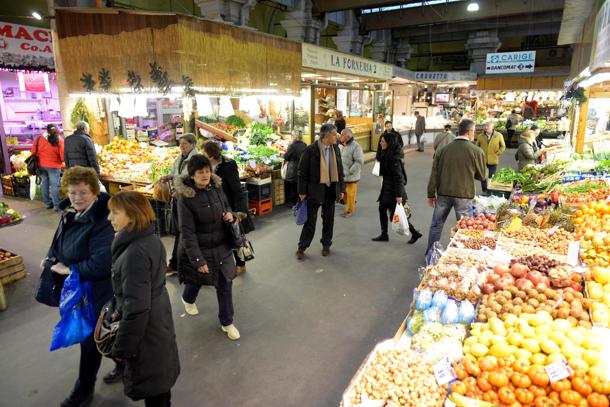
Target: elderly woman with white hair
point(492, 144)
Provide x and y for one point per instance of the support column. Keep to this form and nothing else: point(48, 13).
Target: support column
point(349, 39)
point(401, 50)
point(479, 44)
point(229, 11)
point(301, 26)
point(65, 104)
point(381, 45)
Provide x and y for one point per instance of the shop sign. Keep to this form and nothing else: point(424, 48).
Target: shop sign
point(33, 82)
point(445, 76)
point(510, 62)
point(22, 46)
point(601, 42)
point(335, 61)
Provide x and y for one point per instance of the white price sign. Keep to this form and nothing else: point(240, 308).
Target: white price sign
point(558, 370)
point(573, 253)
point(553, 230)
point(443, 372)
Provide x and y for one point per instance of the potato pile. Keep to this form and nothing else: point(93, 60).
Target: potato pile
point(556, 242)
point(564, 303)
point(400, 377)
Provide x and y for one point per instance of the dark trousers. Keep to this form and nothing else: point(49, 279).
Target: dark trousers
point(160, 400)
point(328, 219)
point(387, 209)
point(291, 191)
point(173, 262)
point(491, 170)
point(90, 360)
point(224, 294)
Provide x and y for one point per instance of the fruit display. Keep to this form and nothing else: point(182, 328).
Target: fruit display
point(474, 239)
point(436, 334)
point(400, 377)
point(598, 290)
point(481, 221)
point(8, 216)
point(583, 191)
point(552, 240)
point(593, 228)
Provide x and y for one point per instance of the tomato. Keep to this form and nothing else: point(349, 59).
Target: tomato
point(520, 380)
point(570, 397)
point(491, 396)
point(544, 402)
point(524, 396)
point(460, 371)
point(600, 386)
point(597, 400)
point(498, 379)
point(561, 385)
point(521, 365)
point(582, 386)
point(506, 395)
point(471, 367)
point(538, 376)
point(483, 384)
point(488, 363)
point(537, 391)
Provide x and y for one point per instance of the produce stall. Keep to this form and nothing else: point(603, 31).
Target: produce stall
point(515, 312)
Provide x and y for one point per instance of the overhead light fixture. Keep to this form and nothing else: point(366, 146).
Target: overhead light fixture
point(473, 6)
point(36, 15)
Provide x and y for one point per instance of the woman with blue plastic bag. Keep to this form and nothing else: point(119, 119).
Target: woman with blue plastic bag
point(83, 239)
point(145, 340)
point(392, 191)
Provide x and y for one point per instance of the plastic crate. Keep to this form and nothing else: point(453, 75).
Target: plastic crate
point(571, 176)
point(259, 192)
point(261, 207)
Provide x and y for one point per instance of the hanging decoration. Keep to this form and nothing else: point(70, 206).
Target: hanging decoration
point(135, 81)
point(160, 77)
point(575, 95)
point(87, 81)
point(187, 82)
point(105, 80)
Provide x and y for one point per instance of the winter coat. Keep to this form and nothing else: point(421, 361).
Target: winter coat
point(49, 156)
point(441, 140)
point(86, 242)
point(180, 169)
point(203, 237)
point(231, 185)
point(80, 150)
point(309, 173)
point(526, 154)
point(493, 148)
point(394, 177)
point(352, 158)
point(420, 125)
point(146, 339)
point(293, 156)
point(391, 133)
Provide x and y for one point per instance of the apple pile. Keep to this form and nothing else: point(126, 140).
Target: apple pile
point(518, 275)
point(5, 255)
point(482, 221)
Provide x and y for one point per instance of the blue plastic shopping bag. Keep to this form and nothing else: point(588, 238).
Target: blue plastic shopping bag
point(300, 212)
point(77, 316)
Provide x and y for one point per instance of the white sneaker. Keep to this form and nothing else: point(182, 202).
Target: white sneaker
point(191, 309)
point(231, 331)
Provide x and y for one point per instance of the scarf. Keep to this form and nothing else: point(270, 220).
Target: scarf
point(334, 172)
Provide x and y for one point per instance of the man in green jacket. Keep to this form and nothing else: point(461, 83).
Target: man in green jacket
point(492, 144)
point(451, 183)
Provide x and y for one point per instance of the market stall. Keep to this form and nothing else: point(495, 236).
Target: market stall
point(513, 312)
point(29, 100)
point(335, 81)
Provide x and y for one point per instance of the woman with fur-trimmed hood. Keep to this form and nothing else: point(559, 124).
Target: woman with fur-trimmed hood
point(205, 255)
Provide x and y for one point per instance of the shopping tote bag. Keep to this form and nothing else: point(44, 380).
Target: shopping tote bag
point(400, 223)
point(300, 212)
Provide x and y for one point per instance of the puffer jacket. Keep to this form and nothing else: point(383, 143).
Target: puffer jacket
point(204, 237)
point(80, 150)
point(352, 158)
point(293, 156)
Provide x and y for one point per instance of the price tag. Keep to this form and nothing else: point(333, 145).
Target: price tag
point(444, 372)
point(553, 230)
point(252, 163)
point(573, 253)
point(533, 203)
point(558, 370)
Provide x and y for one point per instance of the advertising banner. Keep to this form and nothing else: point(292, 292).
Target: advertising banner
point(25, 47)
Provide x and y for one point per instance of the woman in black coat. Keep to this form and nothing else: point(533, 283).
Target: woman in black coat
point(206, 257)
point(393, 186)
point(146, 340)
point(83, 239)
point(292, 158)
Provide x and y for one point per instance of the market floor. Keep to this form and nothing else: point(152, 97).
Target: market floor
point(305, 326)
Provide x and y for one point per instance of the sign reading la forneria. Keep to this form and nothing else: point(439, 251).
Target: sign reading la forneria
point(24, 47)
point(510, 62)
point(335, 61)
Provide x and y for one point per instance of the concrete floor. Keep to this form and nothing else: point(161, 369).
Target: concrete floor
point(305, 326)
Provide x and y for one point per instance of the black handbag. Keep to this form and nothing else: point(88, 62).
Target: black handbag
point(234, 234)
point(32, 161)
point(107, 327)
point(50, 286)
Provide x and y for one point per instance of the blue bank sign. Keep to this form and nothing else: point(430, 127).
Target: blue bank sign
point(510, 62)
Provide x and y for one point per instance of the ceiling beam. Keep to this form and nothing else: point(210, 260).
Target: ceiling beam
point(575, 14)
point(456, 12)
point(502, 23)
point(506, 32)
point(338, 5)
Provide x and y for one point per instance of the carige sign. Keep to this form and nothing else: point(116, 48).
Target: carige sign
point(22, 46)
point(331, 60)
point(510, 62)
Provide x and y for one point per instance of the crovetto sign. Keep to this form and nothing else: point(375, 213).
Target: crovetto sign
point(335, 61)
point(24, 46)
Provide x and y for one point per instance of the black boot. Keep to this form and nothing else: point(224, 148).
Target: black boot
point(77, 399)
point(115, 375)
point(415, 236)
point(381, 238)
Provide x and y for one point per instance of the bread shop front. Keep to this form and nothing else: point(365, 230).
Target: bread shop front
point(335, 84)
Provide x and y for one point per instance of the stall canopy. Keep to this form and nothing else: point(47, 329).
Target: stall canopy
point(122, 51)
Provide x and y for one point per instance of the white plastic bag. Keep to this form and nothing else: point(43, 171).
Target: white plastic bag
point(284, 170)
point(400, 224)
point(33, 187)
point(376, 168)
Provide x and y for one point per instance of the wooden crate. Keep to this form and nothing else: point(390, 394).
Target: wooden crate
point(279, 196)
point(11, 269)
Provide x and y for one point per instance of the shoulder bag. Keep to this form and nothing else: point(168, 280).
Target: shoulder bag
point(107, 327)
point(32, 161)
